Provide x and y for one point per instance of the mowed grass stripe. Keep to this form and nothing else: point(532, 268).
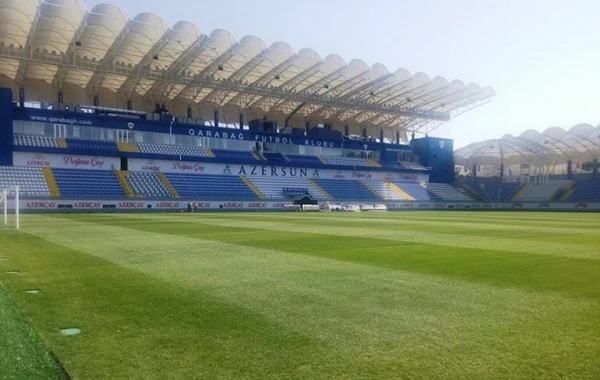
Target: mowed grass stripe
point(376, 319)
point(529, 271)
point(585, 221)
point(475, 241)
point(525, 231)
point(134, 325)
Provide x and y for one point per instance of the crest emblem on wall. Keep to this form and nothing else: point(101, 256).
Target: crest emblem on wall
point(442, 144)
point(130, 125)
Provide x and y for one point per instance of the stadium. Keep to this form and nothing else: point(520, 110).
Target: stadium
point(124, 140)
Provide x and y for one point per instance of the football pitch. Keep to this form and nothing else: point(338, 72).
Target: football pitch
point(419, 295)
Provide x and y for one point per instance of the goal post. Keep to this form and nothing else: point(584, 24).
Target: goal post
point(10, 197)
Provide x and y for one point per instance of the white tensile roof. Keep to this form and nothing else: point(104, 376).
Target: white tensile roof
point(555, 144)
point(61, 42)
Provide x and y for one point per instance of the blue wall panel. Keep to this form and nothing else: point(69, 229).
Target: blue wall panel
point(6, 127)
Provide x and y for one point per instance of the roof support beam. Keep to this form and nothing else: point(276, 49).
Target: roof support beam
point(128, 87)
point(268, 77)
point(106, 67)
point(364, 88)
point(107, 62)
point(28, 46)
point(61, 73)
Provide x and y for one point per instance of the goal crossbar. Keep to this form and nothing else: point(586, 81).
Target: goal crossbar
point(7, 194)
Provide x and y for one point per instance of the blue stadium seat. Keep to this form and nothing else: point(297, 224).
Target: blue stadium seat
point(79, 183)
point(347, 190)
point(147, 184)
point(233, 155)
point(35, 141)
point(214, 187)
point(173, 150)
point(30, 180)
point(417, 191)
point(500, 192)
point(274, 156)
point(85, 146)
point(587, 190)
point(310, 161)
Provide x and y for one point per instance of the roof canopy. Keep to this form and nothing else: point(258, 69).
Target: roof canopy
point(60, 42)
point(554, 144)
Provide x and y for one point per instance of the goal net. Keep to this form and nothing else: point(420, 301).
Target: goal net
point(9, 203)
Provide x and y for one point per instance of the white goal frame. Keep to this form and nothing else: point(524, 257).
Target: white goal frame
point(5, 195)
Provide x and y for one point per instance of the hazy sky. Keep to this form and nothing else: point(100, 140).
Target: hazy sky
point(541, 56)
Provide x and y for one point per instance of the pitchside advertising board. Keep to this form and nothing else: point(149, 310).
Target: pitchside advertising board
point(268, 171)
point(65, 161)
point(175, 205)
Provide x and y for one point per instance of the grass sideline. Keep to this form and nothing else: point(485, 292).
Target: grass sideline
point(23, 354)
point(302, 296)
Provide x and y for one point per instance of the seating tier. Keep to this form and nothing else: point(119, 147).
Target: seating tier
point(79, 183)
point(215, 187)
point(31, 181)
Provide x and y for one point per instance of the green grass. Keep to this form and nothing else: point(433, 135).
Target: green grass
point(420, 295)
point(22, 353)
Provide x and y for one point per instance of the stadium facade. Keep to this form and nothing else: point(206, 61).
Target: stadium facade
point(100, 111)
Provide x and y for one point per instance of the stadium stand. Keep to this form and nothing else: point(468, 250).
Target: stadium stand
point(31, 181)
point(417, 191)
point(93, 146)
point(586, 190)
point(543, 191)
point(497, 191)
point(78, 183)
point(448, 192)
point(147, 184)
point(273, 187)
point(305, 160)
point(234, 155)
point(347, 161)
point(214, 187)
point(174, 150)
point(412, 165)
point(344, 190)
point(35, 141)
point(384, 191)
point(274, 156)
point(391, 165)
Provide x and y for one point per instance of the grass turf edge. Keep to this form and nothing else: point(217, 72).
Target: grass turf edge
point(24, 354)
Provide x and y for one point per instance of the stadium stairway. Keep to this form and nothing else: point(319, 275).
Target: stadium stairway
point(62, 143)
point(252, 187)
point(128, 147)
point(423, 185)
point(51, 182)
point(374, 163)
point(384, 191)
point(544, 191)
point(122, 176)
point(165, 182)
point(322, 160)
point(318, 187)
point(258, 156)
point(472, 193)
point(448, 192)
point(400, 192)
point(375, 193)
point(568, 191)
point(520, 192)
point(209, 152)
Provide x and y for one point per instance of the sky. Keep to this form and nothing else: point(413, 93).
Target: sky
point(542, 57)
